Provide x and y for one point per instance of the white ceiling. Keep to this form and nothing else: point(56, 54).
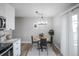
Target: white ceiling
point(48, 9)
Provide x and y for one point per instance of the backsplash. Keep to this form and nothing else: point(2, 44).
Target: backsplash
point(4, 35)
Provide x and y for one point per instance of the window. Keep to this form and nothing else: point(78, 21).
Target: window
point(74, 23)
point(74, 26)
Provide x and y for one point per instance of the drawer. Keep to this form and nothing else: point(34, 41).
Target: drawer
point(17, 42)
point(17, 46)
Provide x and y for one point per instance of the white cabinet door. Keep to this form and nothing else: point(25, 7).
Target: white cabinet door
point(17, 48)
point(2, 9)
point(10, 17)
point(8, 12)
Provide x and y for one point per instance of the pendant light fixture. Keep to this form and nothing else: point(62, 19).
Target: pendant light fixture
point(42, 20)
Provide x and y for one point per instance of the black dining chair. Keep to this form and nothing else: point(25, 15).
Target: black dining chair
point(43, 45)
point(36, 42)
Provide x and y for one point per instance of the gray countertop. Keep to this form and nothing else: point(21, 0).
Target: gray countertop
point(9, 41)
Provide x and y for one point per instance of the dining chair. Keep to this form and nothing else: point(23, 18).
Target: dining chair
point(43, 45)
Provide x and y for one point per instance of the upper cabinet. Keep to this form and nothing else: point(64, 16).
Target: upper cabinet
point(8, 12)
point(10, 16)
point(2, 9)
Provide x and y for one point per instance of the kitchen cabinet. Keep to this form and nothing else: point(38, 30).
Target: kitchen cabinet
point(10, 17)
point(17, 48)
point(7, 11)
point(2, 9)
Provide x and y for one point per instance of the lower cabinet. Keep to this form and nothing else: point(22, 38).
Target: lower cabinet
point(17, 48)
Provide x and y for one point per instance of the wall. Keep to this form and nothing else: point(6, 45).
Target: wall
point(61, 34)
point(64, 35)
point(24, 28)
point(57, 29)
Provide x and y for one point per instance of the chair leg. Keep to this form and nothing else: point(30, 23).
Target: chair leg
point(39, 52)
point(47, 51)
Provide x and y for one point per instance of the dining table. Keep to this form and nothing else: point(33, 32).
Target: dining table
point(37, 40)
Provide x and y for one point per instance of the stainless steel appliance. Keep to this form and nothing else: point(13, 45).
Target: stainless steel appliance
point(2, 23)
point(6, 49)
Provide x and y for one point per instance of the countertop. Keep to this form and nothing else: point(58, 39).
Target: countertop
point(9, 41)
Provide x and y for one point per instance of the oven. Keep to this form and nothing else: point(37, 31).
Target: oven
point(6, 49)
point(2, 23)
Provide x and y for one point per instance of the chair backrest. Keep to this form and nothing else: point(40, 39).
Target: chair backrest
point(43, 42)
point(32, 39)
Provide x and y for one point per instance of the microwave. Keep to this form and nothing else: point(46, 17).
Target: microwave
point(2, 23)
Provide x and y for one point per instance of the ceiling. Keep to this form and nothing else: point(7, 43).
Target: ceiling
point(48, 9)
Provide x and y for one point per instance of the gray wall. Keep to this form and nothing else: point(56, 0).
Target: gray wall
point(24, 28)
point(57, 29)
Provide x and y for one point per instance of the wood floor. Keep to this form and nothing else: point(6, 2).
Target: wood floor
point(25, 47)
point(56, 50)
